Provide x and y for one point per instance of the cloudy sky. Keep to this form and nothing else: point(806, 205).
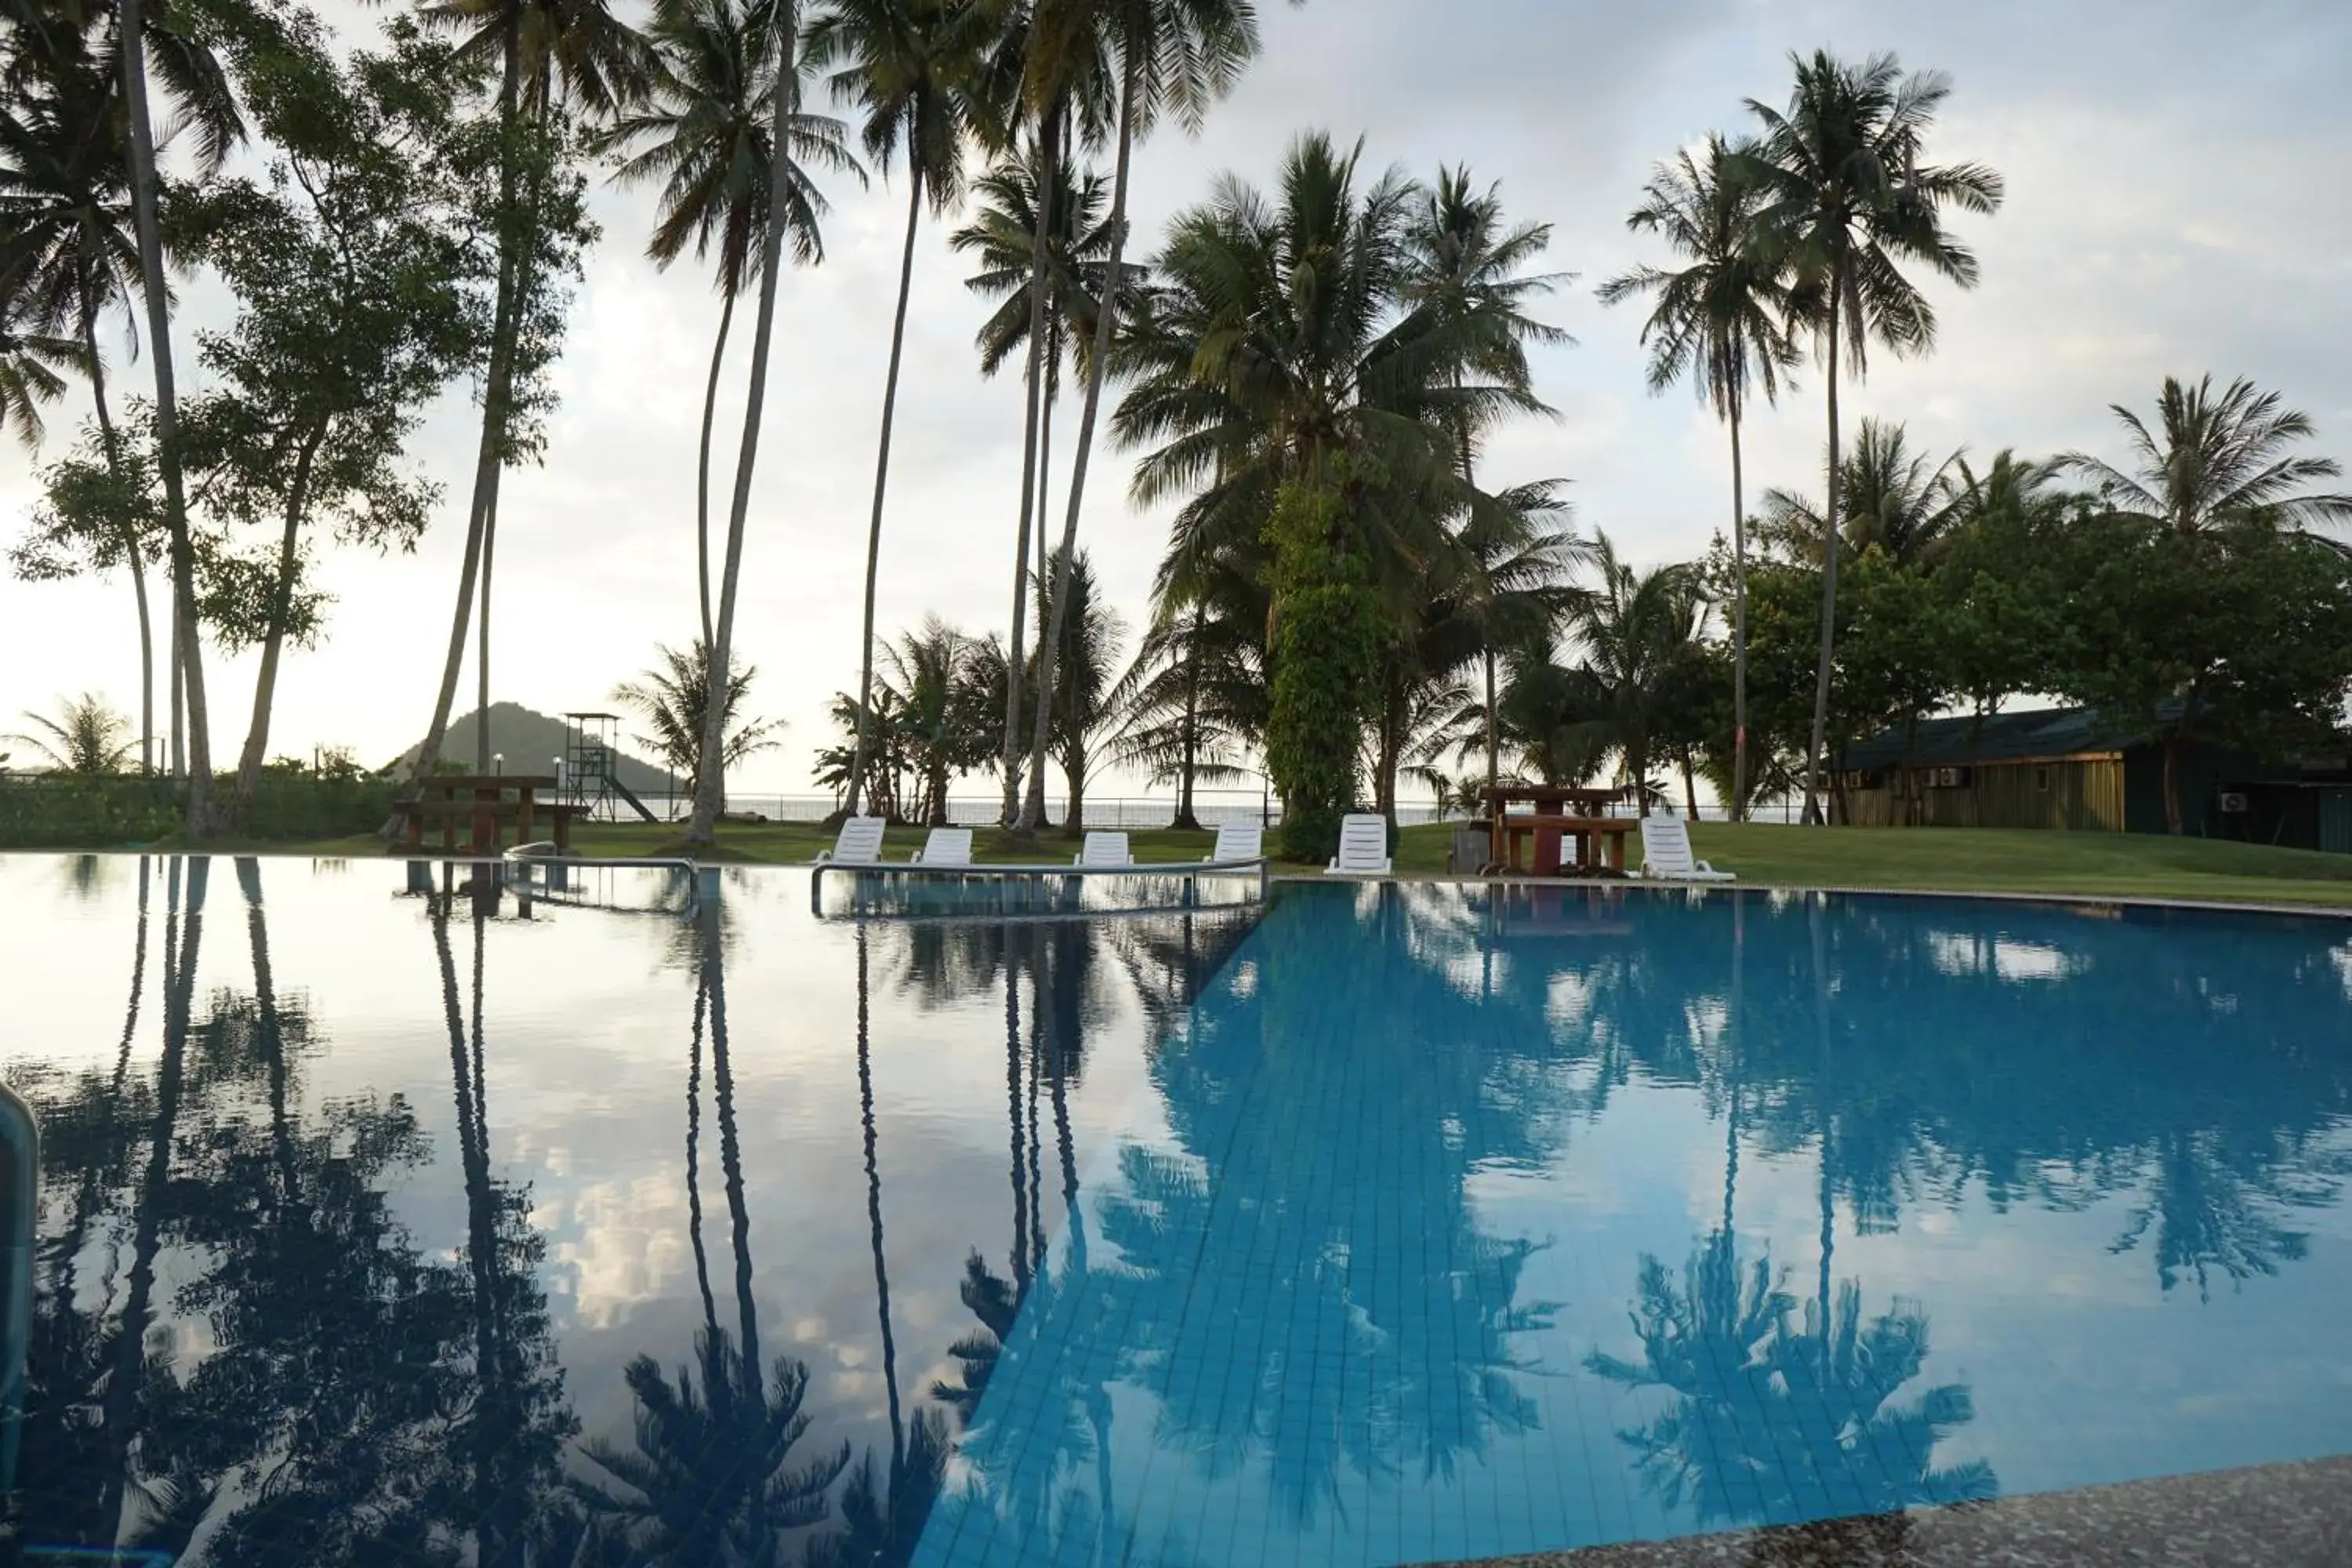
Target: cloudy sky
point(2175, 206)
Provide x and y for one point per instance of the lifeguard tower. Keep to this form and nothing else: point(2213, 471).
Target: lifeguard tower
point(591, 776)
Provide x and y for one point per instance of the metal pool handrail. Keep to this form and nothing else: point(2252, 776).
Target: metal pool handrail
point(1187, 870)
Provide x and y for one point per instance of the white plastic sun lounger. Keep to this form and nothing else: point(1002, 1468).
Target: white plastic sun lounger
point(860, 844)
point(1237, 841)
point(1104, 849)
point(1666, 854)
point(946, 846)
point(1363, 847)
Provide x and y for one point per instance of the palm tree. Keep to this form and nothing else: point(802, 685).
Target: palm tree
point(1892, 500)
point(194, 79)
point(30, 362)
point(1720, 322)
point(2213, 463)
point(85, 738)
point(1049, 71)
point(703, 132)
point(1087, 702)
point(551, 54)
point(1465, 269)
point(1635, 633)
point(709, 795)
point(669, 697)
point(1191, 699)
point(1844, 204)
point(64, 195)
point(1035, 219)
point(913, 65)
point(939, 720)
point(1175, 57)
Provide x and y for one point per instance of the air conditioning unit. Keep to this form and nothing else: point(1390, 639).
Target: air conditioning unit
point(2233, 802)
point(1951, 778)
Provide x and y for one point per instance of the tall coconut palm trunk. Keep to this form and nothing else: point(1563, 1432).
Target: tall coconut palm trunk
point(710, 783)
point(1829, 572)
point(1049, 163)
point(1738, 623)
point(1033, 805)
point(882, 485)
point(265, 685)
point(874, 1222)
point(497, 396)
point(186, 640)
point(702, 460)
point(131, 551)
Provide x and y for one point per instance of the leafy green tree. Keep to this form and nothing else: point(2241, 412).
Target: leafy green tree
point(2244, 639)
point(2002, 614)
point(703, 132)
point(917, 67)
point(1721, 321)
point(669, 697)
point(1326, 645)
point(350, 263)
point(1847, 204)
point(1087, 702)
point(2216, 463)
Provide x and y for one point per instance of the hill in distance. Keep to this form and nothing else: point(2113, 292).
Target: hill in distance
point(530, 742)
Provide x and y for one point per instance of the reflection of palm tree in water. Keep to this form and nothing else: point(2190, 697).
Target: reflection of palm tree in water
point(708, 1482)
point(123, 1383)
point(1762, 1404)
point(517, 1425)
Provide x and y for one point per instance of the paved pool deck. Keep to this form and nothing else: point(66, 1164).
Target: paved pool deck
point(2270, 1516)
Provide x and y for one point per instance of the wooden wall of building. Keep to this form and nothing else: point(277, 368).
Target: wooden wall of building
point(2084, 794)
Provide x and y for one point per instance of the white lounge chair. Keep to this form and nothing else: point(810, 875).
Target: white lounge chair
point(1237, 841)
point(860, 844)
point(1363, 847)
point(946, 846)
point(1104, 849)
point(1666, 854)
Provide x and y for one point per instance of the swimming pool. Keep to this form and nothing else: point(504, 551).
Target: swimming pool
point(1385, 1226)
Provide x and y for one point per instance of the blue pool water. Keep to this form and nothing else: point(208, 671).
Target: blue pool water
point(381, 1223)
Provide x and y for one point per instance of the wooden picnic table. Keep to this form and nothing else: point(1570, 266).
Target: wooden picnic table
point(482, 801)
point(1558, 812)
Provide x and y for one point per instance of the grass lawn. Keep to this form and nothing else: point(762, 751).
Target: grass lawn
point(1770, 855)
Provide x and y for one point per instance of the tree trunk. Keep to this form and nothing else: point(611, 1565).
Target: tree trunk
point(1829, 567)
point(882, 477)
point(1186, 817)
point(131, 552)
point(2172, 819)
point(186, 634)
point(702, 465)
point(1073, 775)
point(1104, 321)
point(265, 684)
point(1048, 158)
point(1494, 734)
point(1690, 787)
point(490, 457)
point(1738, 626)
point(482, 634)
point(710, 786)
